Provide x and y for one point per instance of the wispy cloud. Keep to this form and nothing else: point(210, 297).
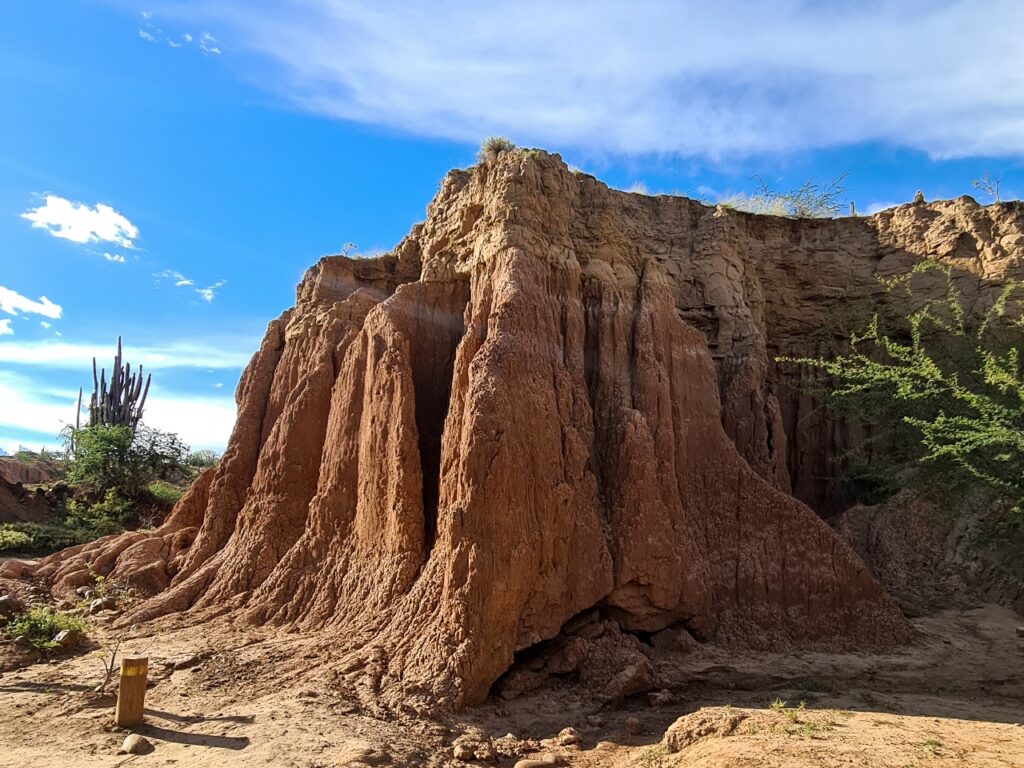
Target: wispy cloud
point(81, 223)
point(222, 353)
point(117, 258)
point(5, 328)
point(46, 325)
point(691, 77)
point(13, 302)
point(207, 294)
point(151, 33)
point(171, 274)
point(209, 291)
point(208, 43)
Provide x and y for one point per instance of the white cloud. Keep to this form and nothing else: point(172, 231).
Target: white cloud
point(5, 328)
point(208, 292)
point(146, 36)
point(170, 274)
point(173, 44)
point(13, 302)
point(187, 38)
point(227, 352)
point(81, 223)
point(45, 324)
point(146, 15)
point(34, 406)
point(201, 421)
point(690, 77)
point(208, 43)
point(180, 281)
point(117, 258)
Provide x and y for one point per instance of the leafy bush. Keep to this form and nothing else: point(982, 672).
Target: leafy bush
point(28, 456)
point(13, 540)
point(40, 624)
point(102, 518)
point(812, 200)
point(493, 146)
point(117, 458)
point(165, 493)
point(43, 538)
point(202, 459)
point(955, 389)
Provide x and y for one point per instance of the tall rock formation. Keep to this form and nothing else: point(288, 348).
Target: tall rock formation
point(550, 396)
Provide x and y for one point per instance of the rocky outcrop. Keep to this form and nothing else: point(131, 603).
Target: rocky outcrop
point(37, 472)
point(931, 558)
point(550, 397)
point(20, 505)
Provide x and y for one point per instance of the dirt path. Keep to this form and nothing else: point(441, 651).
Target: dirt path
point(954, 699)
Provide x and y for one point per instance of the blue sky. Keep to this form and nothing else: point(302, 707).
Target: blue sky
point(169, 169)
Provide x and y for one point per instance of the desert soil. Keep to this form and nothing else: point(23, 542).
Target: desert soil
point(228, 696)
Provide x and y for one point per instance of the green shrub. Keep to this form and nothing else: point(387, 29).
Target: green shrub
point(117, 458)
point(493, 146)
point(44, 538)
point(165, 493)
point(40, 624)
point(940, 389)
point(27, 456)
point(104, 517)
point(201, 459)
point(13, 540)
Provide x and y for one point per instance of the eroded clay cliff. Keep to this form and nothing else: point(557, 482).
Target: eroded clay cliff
point(551, 396)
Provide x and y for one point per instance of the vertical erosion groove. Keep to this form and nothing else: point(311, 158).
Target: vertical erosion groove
point(438, 327)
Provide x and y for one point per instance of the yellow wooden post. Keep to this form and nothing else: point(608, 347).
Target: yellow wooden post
point(131, 691)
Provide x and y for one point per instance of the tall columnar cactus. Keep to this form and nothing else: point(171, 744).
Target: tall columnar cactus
point(121, 402)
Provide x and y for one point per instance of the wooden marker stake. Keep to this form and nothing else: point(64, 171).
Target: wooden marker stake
point(131, 692)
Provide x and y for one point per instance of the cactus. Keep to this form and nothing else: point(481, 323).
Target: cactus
point(121, 402)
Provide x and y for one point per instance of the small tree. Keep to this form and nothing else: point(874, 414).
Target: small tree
point(988, 185)
point(956, 385)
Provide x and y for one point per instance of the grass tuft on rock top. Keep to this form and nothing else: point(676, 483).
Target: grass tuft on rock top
point(493, 146)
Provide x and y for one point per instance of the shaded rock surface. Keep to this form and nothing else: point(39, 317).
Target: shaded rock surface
point(931, 559)
point(550, 396)
point(21, 505)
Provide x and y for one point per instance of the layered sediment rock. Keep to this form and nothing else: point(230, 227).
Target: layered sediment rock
point(551, 396)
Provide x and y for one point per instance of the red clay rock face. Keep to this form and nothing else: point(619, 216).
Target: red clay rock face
point(551, 396)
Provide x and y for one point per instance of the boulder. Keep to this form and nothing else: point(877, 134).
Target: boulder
point(134, 744)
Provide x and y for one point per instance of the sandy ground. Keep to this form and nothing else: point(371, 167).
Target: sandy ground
point(956, 698)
